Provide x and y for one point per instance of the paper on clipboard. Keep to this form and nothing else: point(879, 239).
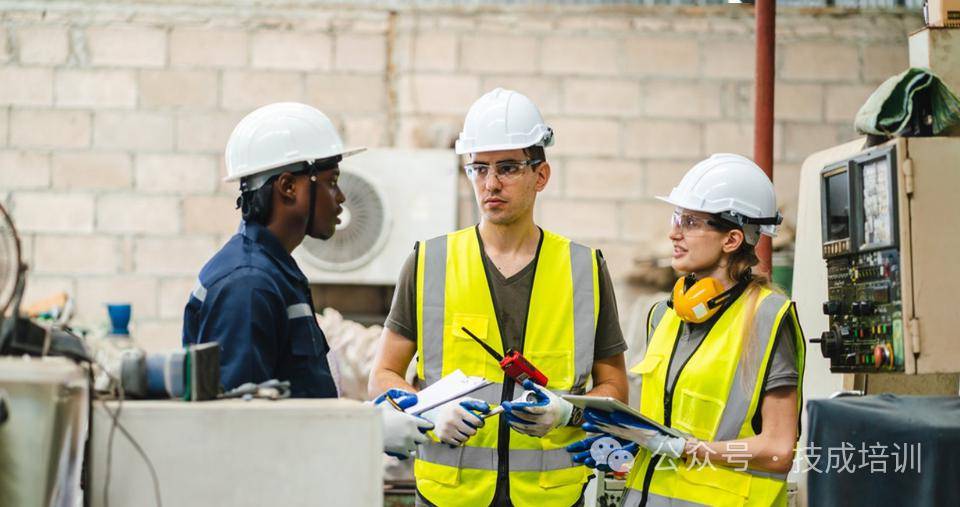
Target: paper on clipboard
point(607, 404)
point(454, 386)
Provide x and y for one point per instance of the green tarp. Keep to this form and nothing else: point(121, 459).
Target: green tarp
point(913, 103)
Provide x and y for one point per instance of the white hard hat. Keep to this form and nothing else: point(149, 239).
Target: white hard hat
point(277, 135)
point(733, 187)
point(503, 120)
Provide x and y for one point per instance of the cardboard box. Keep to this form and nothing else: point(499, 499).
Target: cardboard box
point(942, 13)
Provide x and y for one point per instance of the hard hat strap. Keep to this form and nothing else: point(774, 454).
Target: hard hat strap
point(313, 168)
point(728, 294)
point(313, 201)
point(741, 220)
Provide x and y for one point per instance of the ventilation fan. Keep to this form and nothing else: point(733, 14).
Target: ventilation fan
point(394, 198)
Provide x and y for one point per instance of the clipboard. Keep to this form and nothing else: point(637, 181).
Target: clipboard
point(454, 386)
point(607, 404)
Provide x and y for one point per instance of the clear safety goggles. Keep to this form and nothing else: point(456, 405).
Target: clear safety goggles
point(693, 225)
point(505, 170)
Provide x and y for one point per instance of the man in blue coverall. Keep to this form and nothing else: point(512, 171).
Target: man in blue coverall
point(251, 297)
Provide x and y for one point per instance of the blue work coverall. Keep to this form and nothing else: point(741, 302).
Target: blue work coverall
point(255, 302)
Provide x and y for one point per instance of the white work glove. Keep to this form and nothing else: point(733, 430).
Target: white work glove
point(630, 428)
point(402, 432)
point(537, 410)
point(458, 420)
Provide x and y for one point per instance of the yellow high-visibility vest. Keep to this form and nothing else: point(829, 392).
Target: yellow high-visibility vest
point(453, 292)
point(715, 398)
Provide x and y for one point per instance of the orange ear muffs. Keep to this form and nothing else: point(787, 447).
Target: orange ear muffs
point(696, 304)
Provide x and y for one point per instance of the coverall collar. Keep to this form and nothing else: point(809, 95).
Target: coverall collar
point(270, 244)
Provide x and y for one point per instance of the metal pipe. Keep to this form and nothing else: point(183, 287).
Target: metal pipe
point(765, 13)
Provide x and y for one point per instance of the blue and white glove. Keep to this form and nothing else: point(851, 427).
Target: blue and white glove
point(405, 399)
point(630, 428)
point(604, 452)
point(537, 410)
point(456, 421)
point(402, 432)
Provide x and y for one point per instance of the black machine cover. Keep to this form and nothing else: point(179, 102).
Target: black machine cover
point(917, 439)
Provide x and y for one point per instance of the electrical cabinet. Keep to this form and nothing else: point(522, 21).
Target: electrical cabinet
point(890, 240)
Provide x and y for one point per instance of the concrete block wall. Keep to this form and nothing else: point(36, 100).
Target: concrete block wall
point(114, 115)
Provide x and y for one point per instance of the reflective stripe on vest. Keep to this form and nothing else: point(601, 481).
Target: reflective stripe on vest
point(584, 323)
point(632, 499)
point(485, 458)
point(656, 315)
point(434, 287)
point(738, 402)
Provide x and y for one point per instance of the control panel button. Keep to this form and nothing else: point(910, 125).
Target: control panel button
point(832, 308)
point(882, 356)
point(862, 308)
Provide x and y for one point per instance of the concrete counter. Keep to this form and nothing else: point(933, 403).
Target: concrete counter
point(237, 453)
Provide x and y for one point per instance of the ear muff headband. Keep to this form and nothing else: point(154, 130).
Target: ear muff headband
point(702, 300)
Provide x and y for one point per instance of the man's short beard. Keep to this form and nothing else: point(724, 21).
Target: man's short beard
point(501, 220)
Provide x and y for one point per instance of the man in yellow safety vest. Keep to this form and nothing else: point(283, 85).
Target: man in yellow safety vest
point(514, 286)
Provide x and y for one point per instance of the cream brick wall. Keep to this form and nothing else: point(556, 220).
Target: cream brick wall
point(91, 170)
point(43, 45)
point(185, 89)
point(655, 55)
point(127, 46)
point(76, 254)
point(24, 170)
point(208, 47)
point(361, 53)
point(114, 115)
point(4, 121)
point(291, 50)
point(26, 86)
point(48, 128)
point(96, 89)
point(132, 213)
point(135, 131)
point(243, 90)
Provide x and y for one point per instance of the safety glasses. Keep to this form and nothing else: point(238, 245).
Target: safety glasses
point(505, 170)
point(693, 225)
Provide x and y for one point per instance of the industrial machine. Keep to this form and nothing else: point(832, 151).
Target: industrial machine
point(43, 400)
point(42, 431)
point(394, 198)
point(890, 247)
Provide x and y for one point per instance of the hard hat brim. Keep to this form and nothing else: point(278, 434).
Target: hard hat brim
point(347, 152)
point(676, 203)
point(353, 150)
point(686, 205)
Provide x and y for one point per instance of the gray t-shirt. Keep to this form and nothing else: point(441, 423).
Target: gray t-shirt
point(512, 302)
point(783, 364)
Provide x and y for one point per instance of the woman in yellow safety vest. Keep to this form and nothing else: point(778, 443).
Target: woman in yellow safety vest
point(724, 359)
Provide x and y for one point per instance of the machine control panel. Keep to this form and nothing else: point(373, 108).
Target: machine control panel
point(862, 252)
